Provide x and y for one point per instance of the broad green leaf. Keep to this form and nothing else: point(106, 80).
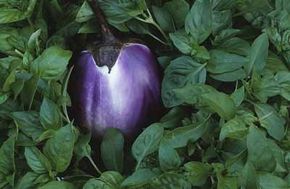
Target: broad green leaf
point(231, 76)
point(58, 184)
point(220, 103)
point(182, 41)
point(96, 183)
point(85, 13)
point(198, 21)
point(238, 96)
point(59, 148)
point(204, 96)
point(147, 142)
point(181, 136)
point(112, 178)
point(170, 181)
point(221, 20)
point(235, 45)
point(49, 114)
point(7, 163)
point(271, 120)
point(163, 18)
point(33, 42)
point(10, 14)
point(269, 181)
point(178, 9)
point(173, 118)
point(139, 178)
point(227, 182)
point(265, 87)
point(108, 180)
point(118, 12)
point(222, 62)
point(258, 54)
point(168, 157)
point(82, 147)
point(234, 128)
point(36, 160)
point(197, 173)
point(248, 176)
point(28, 123)
point(3, 98)
point(52, 63)
point(181, 71)
point(28, 92)
point(27, 181)
point(283, 79)
point(259, 153)
point(112, 147)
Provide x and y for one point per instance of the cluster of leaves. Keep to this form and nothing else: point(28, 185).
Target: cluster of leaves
point(226, 86)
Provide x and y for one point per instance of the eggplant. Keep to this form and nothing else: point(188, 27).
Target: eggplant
point(115, 85)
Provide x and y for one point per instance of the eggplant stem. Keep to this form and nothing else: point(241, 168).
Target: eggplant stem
point(107, 35)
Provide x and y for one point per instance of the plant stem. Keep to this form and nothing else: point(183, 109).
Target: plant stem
point(155, 37)
point(107, 35)
point(94, 165)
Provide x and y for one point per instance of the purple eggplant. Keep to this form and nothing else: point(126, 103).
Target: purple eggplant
point(125, 96)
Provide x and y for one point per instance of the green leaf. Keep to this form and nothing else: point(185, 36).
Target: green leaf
point(59, 148)
point(168, 157)
point(147, 142)
point(49, 114)
point(170, 181)
point(112, 150)
point(108, 180)
point(198, 21)
point(258, 54)
point(226, 182)
point(220, 103)
point(221, 20)
point(3, 98)
point(265, 87)
point(7, 161)
point(235, 45)
point(178, 10)
point(85, 13)
point(163, 18)
point(259, 152)
point(10, 14)
point(222, 62)
point(197, 172)
point(52, 63)
point(82, 147)
point(27, 181)
point(271, 120)
point(283, 79)
point(36, 160)
point(58, 185)
point(249, 176)
point(269, 181)
point(119, 12)
point(181, 71)
point(33, 42)
point(182, 41)
point(28, 123)
point(204, 96)
point(234, 128)
point(238, 96)
point(29, 90)
point(139, 178)
point(112, 178)
point(181, 136)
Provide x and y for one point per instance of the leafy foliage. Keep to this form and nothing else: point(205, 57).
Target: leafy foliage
point(226, 87)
